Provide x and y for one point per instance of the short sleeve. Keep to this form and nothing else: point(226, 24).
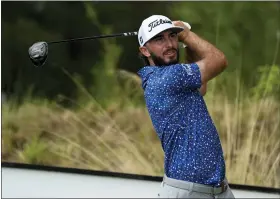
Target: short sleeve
point(181, 76)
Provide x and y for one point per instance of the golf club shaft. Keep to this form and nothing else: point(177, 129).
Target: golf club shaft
point(94, 37)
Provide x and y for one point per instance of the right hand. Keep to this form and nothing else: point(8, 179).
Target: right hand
point(183, 34)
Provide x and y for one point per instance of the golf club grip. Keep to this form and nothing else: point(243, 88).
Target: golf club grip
point(95, 37)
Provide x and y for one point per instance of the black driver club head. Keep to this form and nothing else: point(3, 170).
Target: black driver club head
point(38, 53)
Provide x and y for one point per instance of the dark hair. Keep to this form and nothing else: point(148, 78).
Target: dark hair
point(144, 59)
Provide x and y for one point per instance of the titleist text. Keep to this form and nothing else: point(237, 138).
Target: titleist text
point(157, 22)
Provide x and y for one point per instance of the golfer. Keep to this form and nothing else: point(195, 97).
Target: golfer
point(194, 164)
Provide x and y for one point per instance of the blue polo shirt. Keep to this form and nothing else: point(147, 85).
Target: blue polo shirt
point(180, 117)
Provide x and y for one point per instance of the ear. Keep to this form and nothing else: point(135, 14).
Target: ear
point(144, 51)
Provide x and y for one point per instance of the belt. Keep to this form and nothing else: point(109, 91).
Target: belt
point(195, 186)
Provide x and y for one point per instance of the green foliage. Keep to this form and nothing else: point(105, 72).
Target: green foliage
point(239, 29)
point(268, 84)
point(104, 87)
point(48, 21)
point(34, 152)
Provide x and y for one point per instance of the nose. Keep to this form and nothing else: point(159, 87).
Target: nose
point(168, 43)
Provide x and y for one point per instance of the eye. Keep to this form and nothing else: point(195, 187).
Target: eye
point(158, 39)
point(174, 34)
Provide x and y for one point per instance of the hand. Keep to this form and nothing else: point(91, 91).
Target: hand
point(183, 34)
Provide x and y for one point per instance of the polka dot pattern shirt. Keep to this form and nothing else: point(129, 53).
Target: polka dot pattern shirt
point(180, 117)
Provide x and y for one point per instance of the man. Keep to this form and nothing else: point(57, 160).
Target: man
point(194, 163)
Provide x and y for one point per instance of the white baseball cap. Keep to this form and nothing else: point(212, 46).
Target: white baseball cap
point(154, 25)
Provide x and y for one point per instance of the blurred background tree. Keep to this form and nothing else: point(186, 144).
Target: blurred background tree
point(245, 31)
point(47, 21)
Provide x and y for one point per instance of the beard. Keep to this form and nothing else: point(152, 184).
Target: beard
point(160, 62)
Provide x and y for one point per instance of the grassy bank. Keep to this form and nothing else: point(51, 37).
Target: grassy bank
point(122, 139)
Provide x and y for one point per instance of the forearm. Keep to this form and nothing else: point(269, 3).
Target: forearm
point(203, 49)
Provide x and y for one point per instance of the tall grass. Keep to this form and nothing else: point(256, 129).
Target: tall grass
point(249, 132)
point(111, 139)
point(122, 139)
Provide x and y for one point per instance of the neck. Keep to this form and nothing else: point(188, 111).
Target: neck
point(151, 61)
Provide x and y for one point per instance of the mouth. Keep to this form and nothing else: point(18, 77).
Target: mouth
point(170, 53)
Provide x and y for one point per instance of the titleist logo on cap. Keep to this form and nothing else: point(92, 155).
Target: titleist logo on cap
point(157, 22)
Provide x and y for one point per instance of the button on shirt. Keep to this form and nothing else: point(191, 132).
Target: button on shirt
point(180, 117)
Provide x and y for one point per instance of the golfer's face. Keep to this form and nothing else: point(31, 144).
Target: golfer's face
point(164, 47)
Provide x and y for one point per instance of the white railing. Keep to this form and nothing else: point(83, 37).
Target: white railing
point(33, 183)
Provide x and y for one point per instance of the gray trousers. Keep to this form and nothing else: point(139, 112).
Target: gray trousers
point(171, 190)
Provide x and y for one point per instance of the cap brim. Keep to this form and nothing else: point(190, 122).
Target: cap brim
point(176, 29)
